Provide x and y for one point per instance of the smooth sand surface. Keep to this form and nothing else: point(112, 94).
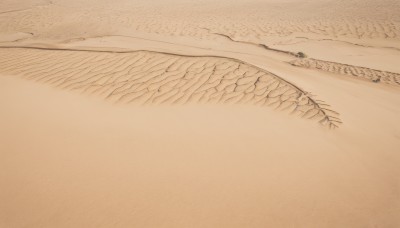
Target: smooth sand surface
point(183, 113)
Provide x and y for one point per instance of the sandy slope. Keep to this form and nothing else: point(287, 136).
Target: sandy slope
point(185, 113)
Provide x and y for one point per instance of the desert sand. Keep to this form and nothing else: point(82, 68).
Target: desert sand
point(200, 113)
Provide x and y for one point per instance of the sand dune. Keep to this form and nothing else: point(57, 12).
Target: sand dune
point(196, 113)
point(148, 77)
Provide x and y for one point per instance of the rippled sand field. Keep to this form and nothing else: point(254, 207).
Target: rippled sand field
point(200, 113)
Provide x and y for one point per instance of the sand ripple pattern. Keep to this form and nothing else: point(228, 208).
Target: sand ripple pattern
point(376, 76)
point(258, 23)
point(157, 78)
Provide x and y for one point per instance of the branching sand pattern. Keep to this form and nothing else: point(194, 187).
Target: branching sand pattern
point(157, 78)
point(376, 76)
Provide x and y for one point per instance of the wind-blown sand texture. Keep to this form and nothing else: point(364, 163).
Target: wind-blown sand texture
point(155, 78)
point(199, 113)
point(354, 71)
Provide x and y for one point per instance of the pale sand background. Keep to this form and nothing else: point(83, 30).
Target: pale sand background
point(70, 159)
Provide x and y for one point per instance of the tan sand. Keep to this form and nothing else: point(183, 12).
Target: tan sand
point(183, 113)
